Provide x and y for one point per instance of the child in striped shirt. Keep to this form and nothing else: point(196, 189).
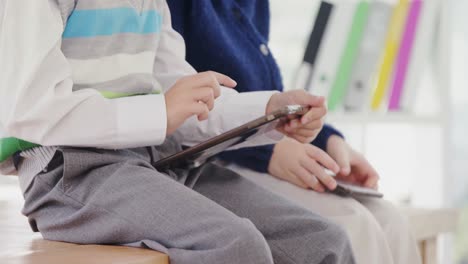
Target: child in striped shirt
point(97, 91)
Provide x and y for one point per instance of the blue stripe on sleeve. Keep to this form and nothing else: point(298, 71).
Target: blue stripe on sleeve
point(105, 22)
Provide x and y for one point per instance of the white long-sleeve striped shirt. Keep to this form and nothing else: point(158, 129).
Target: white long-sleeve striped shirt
point(61, 61)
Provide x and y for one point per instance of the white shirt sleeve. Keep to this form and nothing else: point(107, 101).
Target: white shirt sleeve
point(231, 109)
point(37, 101)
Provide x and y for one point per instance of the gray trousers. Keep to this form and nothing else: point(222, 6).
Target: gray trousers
point(207, 215)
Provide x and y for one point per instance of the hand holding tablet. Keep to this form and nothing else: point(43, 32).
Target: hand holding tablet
point(295, 120)
point(346, 189)
point(307, 127)
point(197, 155)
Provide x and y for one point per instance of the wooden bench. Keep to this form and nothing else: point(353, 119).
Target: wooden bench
point(20, 245)
point(427, 225)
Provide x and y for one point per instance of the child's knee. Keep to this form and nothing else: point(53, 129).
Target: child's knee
point(389, 217)
point(246, 244)
point(340, 250)
point(359, 221)
point(338, 234)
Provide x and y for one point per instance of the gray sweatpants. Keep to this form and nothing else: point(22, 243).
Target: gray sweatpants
point(207, 215)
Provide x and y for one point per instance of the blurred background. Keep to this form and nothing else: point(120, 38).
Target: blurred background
point(421, 153)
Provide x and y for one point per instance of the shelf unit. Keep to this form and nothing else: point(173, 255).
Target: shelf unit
point(440, 70)
point(440, 74)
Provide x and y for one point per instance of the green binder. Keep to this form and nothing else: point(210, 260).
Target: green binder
point(348, 57)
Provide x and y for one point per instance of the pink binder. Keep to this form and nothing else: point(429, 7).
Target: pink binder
point(404, 55)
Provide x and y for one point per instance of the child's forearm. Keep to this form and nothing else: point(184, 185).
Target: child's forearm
point(231, 109)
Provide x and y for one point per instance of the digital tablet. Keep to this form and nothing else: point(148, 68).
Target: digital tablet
point(347, 189)
point(195, 156)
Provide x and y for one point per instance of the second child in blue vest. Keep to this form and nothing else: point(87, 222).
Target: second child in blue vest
point(232, 37)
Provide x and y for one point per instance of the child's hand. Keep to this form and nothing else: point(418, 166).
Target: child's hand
point(193, 95)
point(354, 167)
point(301, 164)
point(307, 128)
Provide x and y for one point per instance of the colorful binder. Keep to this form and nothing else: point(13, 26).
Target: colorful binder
point(420, 54)
point(348, 56)
point(304, 77)
point(333, 43)
point(370, 49)
point(404, 54)
point(388, 58)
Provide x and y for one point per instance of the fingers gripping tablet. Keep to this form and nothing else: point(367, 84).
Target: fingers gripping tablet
point(197, 155)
